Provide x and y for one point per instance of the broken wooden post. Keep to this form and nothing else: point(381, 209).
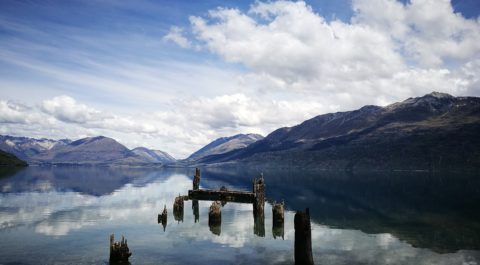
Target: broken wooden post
point(215, 218)
point(278, 212)
point(196, 179)
point(178, 208)
point(259, 192)
point(258, 206)
point(119, 252)
point(162, 218)
point(303, 238)
point(223, 189)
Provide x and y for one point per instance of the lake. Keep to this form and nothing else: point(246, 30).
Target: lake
point(65, 215)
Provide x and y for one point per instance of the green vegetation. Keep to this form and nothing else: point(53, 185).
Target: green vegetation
point(7, 159)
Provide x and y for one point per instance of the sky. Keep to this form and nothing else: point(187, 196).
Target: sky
point(175, 75)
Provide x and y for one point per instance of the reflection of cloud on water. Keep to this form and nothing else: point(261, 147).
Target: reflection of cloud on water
point(57, 213)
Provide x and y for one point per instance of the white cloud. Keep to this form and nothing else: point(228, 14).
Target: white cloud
point(66, 109)
point(378, 58)
point(176, 35)
point(192, 124)
point(427, 30)
point(11, 113)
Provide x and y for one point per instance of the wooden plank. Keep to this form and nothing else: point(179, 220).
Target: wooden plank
point(217, 195)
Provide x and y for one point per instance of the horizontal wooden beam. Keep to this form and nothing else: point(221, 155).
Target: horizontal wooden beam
point(218, 195)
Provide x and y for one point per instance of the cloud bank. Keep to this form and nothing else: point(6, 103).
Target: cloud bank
point(229, 70)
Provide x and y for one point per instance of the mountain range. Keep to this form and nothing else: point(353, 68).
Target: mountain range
point(435, 131)
point(90, 150)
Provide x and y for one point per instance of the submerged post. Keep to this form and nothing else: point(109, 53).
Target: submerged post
point(196, 179)
point(119, 251)
point(303, 238)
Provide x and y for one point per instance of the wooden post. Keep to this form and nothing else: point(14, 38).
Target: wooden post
point(303, 238)
point(259, 192)
point(278, 214)
point(196, 179)
point(119, 251)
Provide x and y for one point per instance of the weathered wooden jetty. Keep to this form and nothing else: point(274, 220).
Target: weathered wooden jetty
point(119, 251)
point(257, 196)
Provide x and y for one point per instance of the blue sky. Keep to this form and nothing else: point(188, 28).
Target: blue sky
point(174, 75)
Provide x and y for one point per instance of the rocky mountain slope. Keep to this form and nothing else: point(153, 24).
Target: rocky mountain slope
point(225, 144)
point(10, 160)
point(436, 131)
point(154, 156)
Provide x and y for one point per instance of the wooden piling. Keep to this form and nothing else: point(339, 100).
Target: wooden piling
point(278, 214)
point(259, 193)
point(196, 179)
point(303, 238)
point(119, 251)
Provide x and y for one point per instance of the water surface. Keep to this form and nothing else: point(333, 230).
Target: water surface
point(65, 215)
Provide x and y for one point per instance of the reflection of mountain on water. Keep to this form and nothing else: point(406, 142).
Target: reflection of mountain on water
point(95, 181)
point(435, 211)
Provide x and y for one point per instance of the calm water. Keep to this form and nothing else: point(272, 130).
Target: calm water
point(65, 215)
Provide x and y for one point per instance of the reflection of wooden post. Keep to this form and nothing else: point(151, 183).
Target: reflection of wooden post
point(162, 218)
point(196, 211)
point(303, 238)
point(196, 179)
point(178, 209)
point(215, 218)
point(258, 222)
point(277, 220)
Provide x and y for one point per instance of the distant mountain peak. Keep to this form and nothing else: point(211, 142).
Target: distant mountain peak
point(226, 144)
point(436, 94)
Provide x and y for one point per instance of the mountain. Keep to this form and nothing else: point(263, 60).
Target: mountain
point(91, 150)
point(155, 156)
point(25, 148)
point(7, 159)
point(225, 144)
point(436, 131)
